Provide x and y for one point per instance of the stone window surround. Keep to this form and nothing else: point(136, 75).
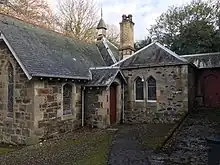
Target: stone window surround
point(144, 88)
point(73, 114)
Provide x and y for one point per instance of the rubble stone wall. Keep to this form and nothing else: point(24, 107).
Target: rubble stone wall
point(48, 108)
point(97, 106)
point(37, 105)
point(172, 95)
point(18, 127)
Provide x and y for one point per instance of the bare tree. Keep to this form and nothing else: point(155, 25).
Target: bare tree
point(113, 34)
point(33, 11)
point(78, 18)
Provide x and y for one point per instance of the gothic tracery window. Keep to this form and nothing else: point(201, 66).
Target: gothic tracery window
point(139, 89)
point(151, 82)
point(10, 90)
point(67, 99)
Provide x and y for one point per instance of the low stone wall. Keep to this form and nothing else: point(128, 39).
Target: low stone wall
point(172, 95)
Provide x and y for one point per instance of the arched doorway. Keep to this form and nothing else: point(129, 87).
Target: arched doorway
point(113, 103)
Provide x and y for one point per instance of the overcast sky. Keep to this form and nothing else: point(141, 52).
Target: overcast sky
point(144, 12)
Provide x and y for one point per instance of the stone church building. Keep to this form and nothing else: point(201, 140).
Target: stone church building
point(50, 83)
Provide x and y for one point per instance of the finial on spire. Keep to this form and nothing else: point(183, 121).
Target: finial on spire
point(101, 12)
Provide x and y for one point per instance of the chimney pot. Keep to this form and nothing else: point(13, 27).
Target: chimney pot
point(130, 17)
point(124, 17)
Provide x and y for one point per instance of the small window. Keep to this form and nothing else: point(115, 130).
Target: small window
point(152, 96)
point(10, 90)
point(67, 99)
point(139, 89)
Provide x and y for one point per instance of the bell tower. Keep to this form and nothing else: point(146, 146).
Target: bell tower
point(101, 28)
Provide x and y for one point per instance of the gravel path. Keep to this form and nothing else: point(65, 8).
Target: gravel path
point(188, 146)
point(126, 149)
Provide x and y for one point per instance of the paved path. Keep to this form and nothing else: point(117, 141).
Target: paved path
point(126, 150)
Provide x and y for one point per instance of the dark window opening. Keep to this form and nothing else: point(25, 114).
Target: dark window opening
point(10, 90)
point(67, 99)
point(151, 88)
point(139, 88)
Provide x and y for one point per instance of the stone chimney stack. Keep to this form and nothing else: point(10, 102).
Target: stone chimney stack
point(126, 36)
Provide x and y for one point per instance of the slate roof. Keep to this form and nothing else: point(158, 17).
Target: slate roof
point(152, 55)
point(104, 76)
point(206, 60)
point(101, 24)
point(49, 54)
point(114, 50)
point(105, 54)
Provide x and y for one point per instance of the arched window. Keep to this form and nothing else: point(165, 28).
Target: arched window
point(67, 99)
point(139, 89)
point(10, 90)
point(151, 82)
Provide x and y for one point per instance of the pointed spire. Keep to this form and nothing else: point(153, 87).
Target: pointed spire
point(101, 24)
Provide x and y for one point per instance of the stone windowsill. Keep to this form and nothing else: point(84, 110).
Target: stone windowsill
point(9, 118)
point(68, 116)
point(139, 100)
point(151, 101)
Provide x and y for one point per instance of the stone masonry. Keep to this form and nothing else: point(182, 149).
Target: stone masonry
point(172, 95)
point(18, 127)
point(126, 36)
point(48, 109)
point(97, 106)
point(37, 106)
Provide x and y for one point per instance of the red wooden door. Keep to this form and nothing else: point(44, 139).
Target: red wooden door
point(211, 91)
point(113, 103)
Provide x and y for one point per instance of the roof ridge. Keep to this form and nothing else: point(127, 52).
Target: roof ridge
point(109, 50)
point(200, 54)
point(112, 44)
point(104, 67)
point(171, 52)
point(134, 54)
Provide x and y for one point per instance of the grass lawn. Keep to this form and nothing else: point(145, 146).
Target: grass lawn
point(98, 155)
point(82, 147)
point(157, 135)
point(5, 150)
point(92, 147)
